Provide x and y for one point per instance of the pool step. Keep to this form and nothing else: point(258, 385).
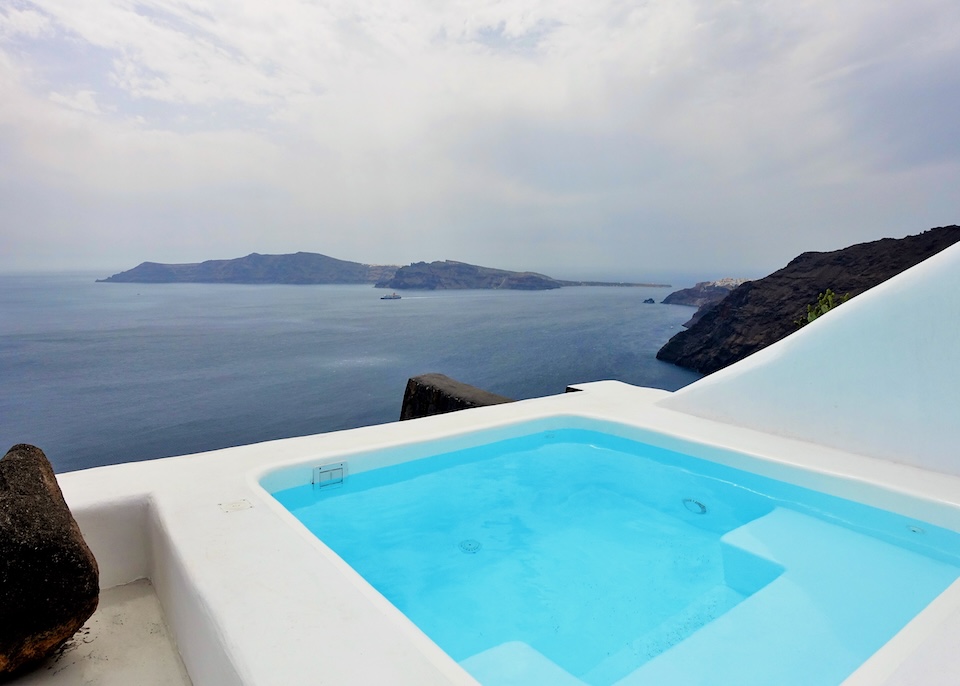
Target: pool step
point(701, 611)
point(517, 664)
point(810, 624)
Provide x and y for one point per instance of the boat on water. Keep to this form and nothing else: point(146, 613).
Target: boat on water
point(392, 296)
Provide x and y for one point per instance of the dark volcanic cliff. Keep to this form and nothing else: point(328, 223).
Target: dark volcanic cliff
point(704, 293)
point(761, 312)
point(702, 296)
point(298, 268)
point(460, 275)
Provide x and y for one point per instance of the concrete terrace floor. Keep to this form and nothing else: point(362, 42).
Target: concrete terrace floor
point(125, 643)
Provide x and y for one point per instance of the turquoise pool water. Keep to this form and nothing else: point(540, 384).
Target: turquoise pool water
point(579, 557)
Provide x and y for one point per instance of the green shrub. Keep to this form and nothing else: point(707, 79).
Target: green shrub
point(825, 302)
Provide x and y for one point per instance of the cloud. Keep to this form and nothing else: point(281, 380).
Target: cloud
point(26, 23)
point(524, 131)
point(82, 101)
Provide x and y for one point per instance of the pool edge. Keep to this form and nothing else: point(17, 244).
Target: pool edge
point(238, 585)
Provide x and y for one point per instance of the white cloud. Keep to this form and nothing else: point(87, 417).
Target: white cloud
point(82, 101)
point(16, 22)
point(473, 122)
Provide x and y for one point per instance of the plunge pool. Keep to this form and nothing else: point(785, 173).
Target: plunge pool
point(577, 556)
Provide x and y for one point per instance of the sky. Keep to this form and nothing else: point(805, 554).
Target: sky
point(607, 138)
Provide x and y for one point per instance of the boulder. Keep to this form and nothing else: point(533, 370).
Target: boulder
point(49, 581)
point(430, 394)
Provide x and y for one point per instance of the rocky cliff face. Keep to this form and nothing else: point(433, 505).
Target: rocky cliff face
point(460, 275)
point(703, 293)
point(761, 312)
point(298, 268)
point(702, 296)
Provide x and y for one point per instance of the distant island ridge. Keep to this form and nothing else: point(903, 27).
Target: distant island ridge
point(298, 268)
point(313, 268)
point(449, 274)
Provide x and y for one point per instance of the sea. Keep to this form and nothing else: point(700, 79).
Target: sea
point(104, 373)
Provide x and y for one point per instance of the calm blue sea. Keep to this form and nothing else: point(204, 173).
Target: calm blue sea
point(97, 373)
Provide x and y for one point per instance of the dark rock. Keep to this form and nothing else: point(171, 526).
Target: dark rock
point(703, 293)
point(762, 312)
point(296, 268)
point(49, 581)
point(430, 394)
point(702, 310)
point(460, 275)
point(703, 296)
point(649, 301)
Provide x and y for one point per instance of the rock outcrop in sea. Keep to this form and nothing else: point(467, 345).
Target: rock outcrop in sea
point(758, 313)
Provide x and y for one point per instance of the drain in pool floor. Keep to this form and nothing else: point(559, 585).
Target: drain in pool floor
point(469, 545)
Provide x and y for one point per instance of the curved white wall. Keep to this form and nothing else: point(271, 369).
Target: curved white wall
point(879, 376)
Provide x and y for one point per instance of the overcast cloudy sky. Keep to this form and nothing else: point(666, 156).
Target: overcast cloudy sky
point(573, 137)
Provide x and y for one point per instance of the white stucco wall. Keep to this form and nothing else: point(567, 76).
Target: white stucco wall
point(878, 376)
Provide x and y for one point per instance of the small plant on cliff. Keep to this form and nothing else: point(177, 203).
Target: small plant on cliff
point(825, 302)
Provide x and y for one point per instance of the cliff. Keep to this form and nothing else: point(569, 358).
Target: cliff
point(703, 293)
point(761, 312)
point(298, 268)
point(460, 275)
point(702, 296)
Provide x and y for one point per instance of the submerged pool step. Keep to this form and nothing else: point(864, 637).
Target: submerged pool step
point(703, 610)
point(810, 625)
point(517, 664)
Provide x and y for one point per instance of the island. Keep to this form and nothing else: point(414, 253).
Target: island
point(314, 268)
point(449, 274)
point(453, 275)
point(297, 268)
point(758, 313)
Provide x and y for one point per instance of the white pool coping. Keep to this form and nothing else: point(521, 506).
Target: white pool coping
point(252, 598)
